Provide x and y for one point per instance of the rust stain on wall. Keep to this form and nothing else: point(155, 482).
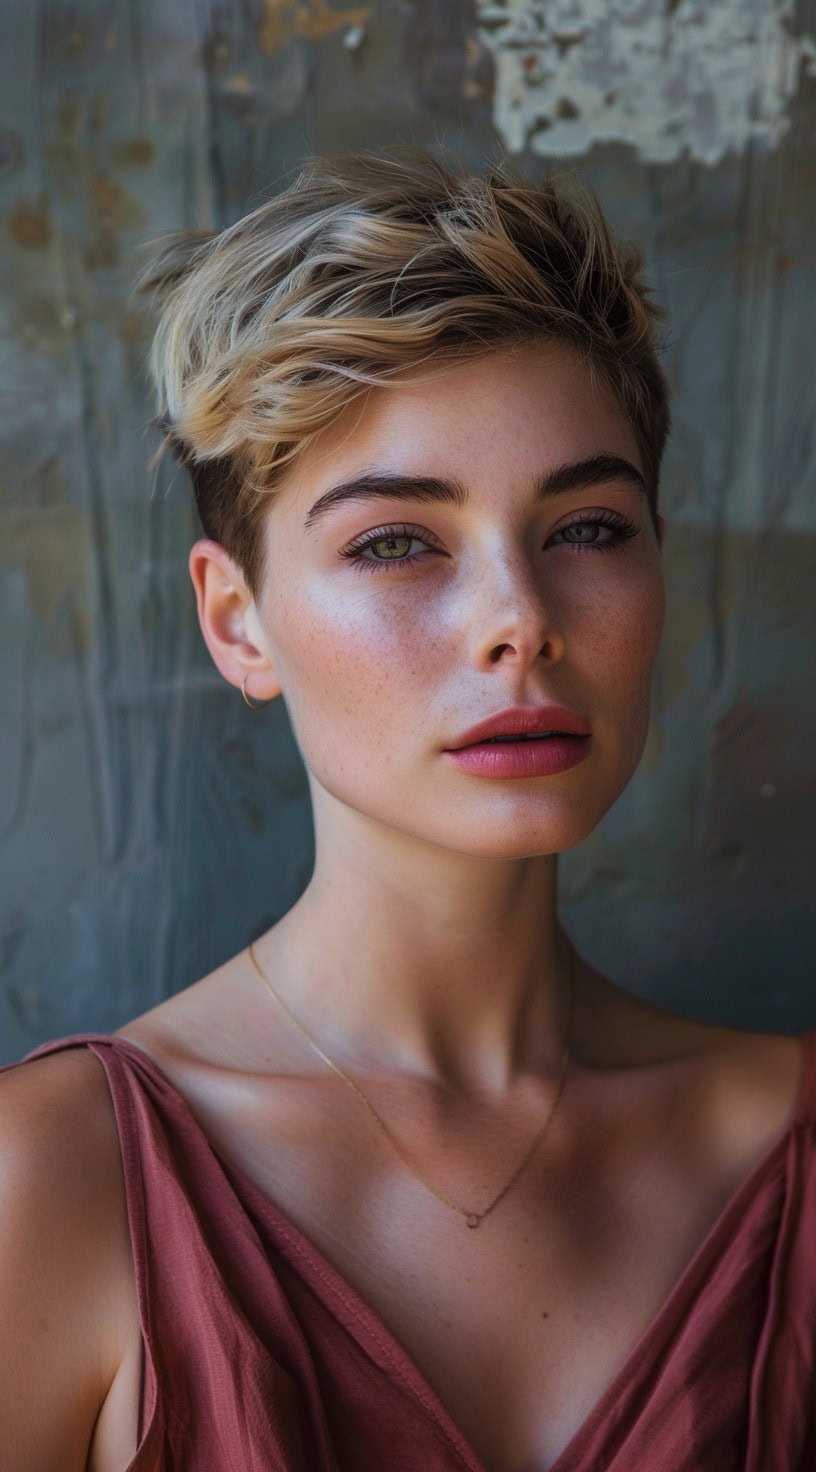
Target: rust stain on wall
point(133, 153)
point(52, 547)
point(111, 209)
point(30, 222)
point(313, 20)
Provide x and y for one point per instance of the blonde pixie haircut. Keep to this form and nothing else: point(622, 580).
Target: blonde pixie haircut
point(367, 265)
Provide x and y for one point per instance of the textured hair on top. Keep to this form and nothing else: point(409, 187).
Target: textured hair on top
point(369, 264)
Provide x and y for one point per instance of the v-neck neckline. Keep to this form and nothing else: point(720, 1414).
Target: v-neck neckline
point(366, 1326)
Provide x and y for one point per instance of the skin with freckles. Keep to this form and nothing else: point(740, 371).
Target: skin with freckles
point(426, 954)
point(496, 608)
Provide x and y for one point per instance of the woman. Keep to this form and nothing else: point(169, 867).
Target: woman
point(408, 1184)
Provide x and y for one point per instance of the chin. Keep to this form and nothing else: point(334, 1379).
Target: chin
point(518, 820)
point(522, 839)
point(514, 833)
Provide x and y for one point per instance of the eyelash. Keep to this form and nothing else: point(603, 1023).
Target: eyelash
point(622, 528)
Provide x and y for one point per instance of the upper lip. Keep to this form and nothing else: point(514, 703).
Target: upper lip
point(522, 720)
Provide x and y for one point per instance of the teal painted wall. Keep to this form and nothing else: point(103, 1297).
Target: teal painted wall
point(151, 823)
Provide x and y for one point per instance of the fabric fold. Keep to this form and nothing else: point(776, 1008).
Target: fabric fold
point(258, 1356)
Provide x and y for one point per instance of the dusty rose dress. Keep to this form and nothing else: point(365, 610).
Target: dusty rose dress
point(259, 1357)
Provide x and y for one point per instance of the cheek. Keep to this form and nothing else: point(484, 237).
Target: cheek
point(615, 639)
point(356, 653)
point(619, 632)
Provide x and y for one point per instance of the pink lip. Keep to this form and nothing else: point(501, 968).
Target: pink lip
point(524, 758)
point(521, 720)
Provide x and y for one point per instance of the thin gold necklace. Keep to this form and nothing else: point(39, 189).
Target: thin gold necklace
point(472, 1218)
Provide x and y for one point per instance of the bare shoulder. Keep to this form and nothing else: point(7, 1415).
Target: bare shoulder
point(74, 1077)
point(58, 1136)
point(755, 1080)
point(742, 1085)
point(67, 1299)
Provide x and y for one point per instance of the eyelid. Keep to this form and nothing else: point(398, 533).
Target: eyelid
point(390, 529)
point(592, 513)
point(616, 521)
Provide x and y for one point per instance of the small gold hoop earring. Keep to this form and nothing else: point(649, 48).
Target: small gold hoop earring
point(253, 704)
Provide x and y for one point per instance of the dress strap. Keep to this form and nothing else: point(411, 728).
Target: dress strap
point(58, 1045)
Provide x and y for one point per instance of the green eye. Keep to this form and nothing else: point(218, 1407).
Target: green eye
point(395, 543)
point(388, 548)
point(587, 532)
point(591, 527)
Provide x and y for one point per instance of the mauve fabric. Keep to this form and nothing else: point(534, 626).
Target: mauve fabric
point(259, 1357)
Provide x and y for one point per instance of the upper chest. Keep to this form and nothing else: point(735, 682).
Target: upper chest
point(520, 1325)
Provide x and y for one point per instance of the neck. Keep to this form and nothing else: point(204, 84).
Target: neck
point(403, 956)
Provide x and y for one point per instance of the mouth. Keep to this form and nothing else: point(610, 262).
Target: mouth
point(530, 754)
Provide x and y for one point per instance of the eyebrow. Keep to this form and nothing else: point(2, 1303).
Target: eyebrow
point(382, 484)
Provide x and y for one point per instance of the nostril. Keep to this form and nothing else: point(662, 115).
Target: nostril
point(497, 653)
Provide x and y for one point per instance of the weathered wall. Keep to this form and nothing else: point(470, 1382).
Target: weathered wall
point(151, 823)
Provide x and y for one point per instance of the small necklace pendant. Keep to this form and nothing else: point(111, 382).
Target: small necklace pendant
point(472, 1219)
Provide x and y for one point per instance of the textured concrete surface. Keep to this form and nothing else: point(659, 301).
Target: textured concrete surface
point(701, 77)
point(151, 824)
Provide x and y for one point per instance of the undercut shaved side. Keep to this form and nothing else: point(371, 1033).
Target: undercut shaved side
point(368, 265)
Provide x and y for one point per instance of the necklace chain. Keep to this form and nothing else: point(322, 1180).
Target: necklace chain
point(472, 1218)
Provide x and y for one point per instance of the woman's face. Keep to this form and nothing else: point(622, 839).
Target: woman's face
point(458, 608)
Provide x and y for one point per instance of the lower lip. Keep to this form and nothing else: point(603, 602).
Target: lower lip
point(522, 758)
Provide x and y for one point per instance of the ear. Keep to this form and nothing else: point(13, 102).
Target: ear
point(229, 621)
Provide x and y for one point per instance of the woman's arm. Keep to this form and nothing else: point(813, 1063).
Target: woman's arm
point(67, 1298)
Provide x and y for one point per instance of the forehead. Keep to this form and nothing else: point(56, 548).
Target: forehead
point(510, 413)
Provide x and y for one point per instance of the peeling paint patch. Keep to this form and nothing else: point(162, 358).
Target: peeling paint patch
point(312, 19)
point(706, 76)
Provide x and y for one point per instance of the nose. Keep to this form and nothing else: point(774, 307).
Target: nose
point(516, 618)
